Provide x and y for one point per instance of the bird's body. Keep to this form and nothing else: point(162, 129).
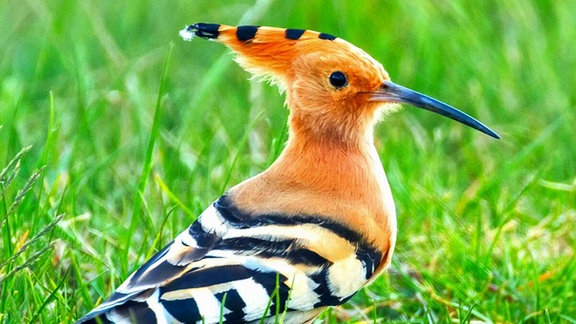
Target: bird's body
point(311, 230)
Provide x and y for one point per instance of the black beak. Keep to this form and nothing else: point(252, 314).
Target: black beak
point(391, 92)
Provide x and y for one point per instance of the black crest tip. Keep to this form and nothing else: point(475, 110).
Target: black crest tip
point(202, 30)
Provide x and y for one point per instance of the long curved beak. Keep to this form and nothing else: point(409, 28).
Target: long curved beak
point(391, 92)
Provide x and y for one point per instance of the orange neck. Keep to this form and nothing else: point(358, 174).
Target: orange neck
point(344, 181)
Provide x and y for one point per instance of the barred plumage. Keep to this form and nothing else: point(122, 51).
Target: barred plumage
point(242, 266)
point(311, 230)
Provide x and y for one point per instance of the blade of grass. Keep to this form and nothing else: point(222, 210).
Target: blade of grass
point(45, 153)
point(137, 218)
point(32, 240)
point(172, 196)
point(14, 164)
point(239, 148)
point(55, 292)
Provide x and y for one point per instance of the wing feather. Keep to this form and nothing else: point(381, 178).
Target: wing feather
point(242, 267)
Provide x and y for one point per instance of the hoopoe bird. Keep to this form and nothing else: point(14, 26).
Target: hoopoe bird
point(310, 231)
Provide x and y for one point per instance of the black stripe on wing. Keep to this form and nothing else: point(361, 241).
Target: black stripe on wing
point(237, 218)
point(208, 277)
point(117, 300)
point(274, 283)
point(288, 249)
point(162, 270)
point(186, 309)
point(136, 312)
point(233, 302)
point(176, 256)
point(94, 320)
point(323, 290)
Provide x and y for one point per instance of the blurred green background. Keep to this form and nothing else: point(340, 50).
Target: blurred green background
point(124, 156)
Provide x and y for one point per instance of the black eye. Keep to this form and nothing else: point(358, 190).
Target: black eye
point(338, 80)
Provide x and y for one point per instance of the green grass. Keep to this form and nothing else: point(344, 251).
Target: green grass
point(132, 132)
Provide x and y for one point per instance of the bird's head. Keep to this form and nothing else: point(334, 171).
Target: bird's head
point(334, 89)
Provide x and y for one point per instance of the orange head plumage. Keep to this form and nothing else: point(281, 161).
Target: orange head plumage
point(335, 90)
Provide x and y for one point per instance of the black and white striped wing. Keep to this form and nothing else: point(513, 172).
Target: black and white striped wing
point(240, 268)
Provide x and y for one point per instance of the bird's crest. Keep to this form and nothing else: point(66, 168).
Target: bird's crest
point(269, 52)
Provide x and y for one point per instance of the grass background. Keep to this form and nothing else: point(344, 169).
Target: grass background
point(126, 133)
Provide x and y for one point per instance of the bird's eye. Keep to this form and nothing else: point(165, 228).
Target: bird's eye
point(338, 80)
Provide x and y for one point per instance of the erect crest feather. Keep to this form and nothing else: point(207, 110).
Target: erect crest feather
point(266, 52)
